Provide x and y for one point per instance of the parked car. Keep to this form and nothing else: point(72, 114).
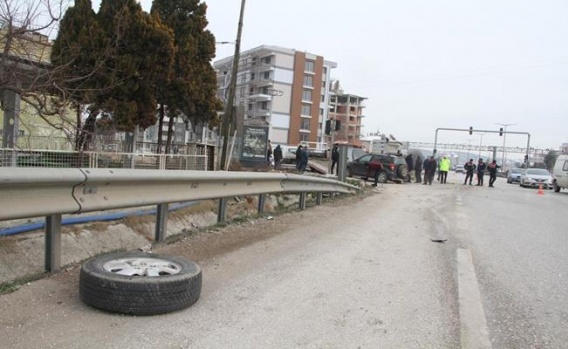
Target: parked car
point(514, 175)
point(534, 177)
point(560, 173)
point(394, 167)
point(459, 169)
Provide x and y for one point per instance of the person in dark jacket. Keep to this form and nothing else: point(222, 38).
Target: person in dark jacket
point(480, 172)
point(492, 168)
point(418, 169)
point(298, 156)
point(469, 167)
point(409, 166)
point(277, 157)
point(334, 157)
point(430, 167)
point(303, 159)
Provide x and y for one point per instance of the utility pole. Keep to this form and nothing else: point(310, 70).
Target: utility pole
point(229, 110)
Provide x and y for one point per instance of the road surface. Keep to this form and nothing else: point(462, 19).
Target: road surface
point(411, 266)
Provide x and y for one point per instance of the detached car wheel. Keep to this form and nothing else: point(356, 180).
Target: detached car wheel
point(138, 283)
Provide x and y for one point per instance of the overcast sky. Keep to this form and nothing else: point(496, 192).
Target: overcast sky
point(425, 65)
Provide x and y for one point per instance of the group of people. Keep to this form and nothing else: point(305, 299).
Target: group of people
point(430, 166)
point(277, 156)
point(481, 166)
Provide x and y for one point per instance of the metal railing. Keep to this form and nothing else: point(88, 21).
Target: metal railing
point(50, 192)
point(74, 159)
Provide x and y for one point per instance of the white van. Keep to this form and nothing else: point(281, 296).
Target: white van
point(560, 173)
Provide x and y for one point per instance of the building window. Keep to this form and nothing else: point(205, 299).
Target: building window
point(251, 91)
point(304, 137)
point(306, 109)
point(264, 105)
point(323, 98)
point(266, 75)
point(323, 83)
point(307, 95)
point(250, 106)
point(305, 124)
point(309, 66)
point(252, 76)
point(267, 60)
point(321, 111)
point(308, 81)
point(265, 91)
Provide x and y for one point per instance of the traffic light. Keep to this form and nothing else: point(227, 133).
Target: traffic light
point(337, 125)
point(328, 127)
point(470, 130)
point(501, 131)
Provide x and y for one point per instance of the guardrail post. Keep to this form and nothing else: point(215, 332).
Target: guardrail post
point(161, 222)
point(319, 198)
point(222, 213)
point(53, 242)
point(303, 201)
point(261, 202)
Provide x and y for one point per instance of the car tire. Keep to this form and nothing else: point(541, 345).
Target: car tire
point(112, 282)
point(556, 188)
point(349, 172)
point(402, 172)
point(383, 178)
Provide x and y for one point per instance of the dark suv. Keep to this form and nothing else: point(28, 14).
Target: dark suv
point(394, 167)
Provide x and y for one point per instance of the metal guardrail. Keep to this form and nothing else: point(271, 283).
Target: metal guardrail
point(50, 192)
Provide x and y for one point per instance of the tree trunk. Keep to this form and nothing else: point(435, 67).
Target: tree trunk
point(160, 125)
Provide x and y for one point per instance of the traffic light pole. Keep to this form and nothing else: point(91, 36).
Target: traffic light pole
point(470, 130)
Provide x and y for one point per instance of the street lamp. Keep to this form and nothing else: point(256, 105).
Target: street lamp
point(504, 138)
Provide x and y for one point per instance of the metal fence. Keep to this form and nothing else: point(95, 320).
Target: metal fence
point(74, 159)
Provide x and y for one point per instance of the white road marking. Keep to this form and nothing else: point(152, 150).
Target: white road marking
point(474, 331)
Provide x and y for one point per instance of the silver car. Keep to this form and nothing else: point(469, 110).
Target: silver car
point(514, 175)
point(534, 177)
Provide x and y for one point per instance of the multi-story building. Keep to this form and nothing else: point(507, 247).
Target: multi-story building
point(287, 89)
point(348, 110)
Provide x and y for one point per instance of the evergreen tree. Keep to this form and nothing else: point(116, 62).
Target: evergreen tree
point(191, 92)
point(142, 59)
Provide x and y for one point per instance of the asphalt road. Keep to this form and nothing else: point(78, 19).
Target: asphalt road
point(366, 274)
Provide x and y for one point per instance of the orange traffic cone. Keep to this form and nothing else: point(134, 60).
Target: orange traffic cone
point(540, 191)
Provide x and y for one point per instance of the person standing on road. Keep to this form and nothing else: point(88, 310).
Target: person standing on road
point(469, 167)
point(298, 156)
point(444, 168)
point(492, 167)
point(303, 159)
point(334, 157)
point(277, 157)
point(409, 166)
point(377, 166)
point(480, 172)
point(418, 169)
point(429, 170)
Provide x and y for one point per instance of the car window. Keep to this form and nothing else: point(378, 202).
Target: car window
point(565, 167)
point(538, 172)
point(364, 158)
point(516, 170)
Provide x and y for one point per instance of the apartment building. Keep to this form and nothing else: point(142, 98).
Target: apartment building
point(348, 110)
point(287, 89)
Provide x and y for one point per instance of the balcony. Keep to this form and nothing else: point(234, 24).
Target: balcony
point(260, 97)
